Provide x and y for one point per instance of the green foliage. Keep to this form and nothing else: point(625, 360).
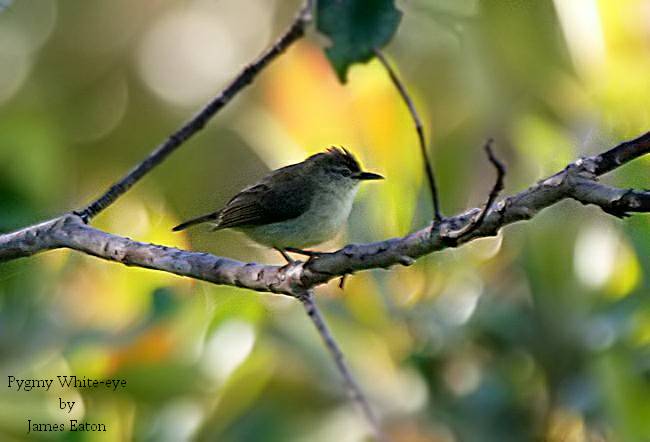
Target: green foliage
point(356, 28)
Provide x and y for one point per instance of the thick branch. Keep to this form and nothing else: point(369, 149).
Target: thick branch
point(615, 201)
point(196, 123)
point(69, 231)
point(30, 240)
point(577, 181)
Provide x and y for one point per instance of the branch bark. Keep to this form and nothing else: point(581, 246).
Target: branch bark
point(578, 181)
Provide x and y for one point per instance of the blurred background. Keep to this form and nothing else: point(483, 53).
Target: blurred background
point(542, 333)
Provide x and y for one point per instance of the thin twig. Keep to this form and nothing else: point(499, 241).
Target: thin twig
point(428, 168)
point(351, 384)
point(196, 123)
point(494, 193)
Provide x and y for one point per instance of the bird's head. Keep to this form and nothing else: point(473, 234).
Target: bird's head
point(340, 165)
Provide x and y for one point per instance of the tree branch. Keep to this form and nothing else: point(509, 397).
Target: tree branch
point(69, 231)
point(577, 181)
point(196, 123)
point(428, 168)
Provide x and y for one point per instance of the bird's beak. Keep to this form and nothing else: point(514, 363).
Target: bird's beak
point(367, 176)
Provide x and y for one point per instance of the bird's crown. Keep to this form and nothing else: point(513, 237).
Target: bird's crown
point(337, 156)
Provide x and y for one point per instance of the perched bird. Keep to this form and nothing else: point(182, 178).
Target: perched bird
point(296, 206)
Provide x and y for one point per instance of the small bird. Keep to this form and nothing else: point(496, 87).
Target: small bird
point(296, 206)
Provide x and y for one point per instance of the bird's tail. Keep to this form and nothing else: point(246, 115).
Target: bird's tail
point(201, 219)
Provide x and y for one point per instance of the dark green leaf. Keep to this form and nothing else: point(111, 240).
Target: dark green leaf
point(356, 28)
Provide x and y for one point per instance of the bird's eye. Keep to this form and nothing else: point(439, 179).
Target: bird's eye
point(343, 171)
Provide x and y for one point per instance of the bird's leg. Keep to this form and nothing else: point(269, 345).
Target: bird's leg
point(313, 255)
point(285, 255)
point(310, 253)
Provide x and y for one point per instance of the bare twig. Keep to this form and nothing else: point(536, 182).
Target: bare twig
point(196, 123)
point(494, 193)
point(428, 168)
point(353, 389)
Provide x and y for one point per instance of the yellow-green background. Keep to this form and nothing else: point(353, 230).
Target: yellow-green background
point(542, 333)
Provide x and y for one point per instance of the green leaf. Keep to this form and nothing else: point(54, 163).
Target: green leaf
point(355, 28)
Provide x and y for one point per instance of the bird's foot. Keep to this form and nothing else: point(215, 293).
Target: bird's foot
point(312, 254)
point(342, 280)
point(285, 255)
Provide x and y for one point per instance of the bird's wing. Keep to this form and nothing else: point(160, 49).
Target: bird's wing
point(265, 204)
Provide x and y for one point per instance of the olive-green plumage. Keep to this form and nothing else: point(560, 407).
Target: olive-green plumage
point(295, 206)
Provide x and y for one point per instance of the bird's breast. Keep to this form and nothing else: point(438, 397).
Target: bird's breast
point(325, 217)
